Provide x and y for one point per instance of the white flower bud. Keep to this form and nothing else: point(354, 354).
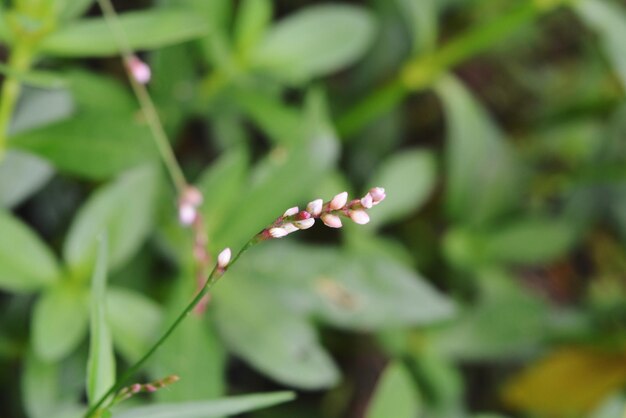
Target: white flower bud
point(278, 232)
point(366, 201)
point(186, 214)
point(359, 216)
point(332, 221)
point(378, 195)
point(339, 201)
point(291, 211)
point(305, 223)
point(139, 70)
point(315, 207)
point(289, 227)
point(224, 258)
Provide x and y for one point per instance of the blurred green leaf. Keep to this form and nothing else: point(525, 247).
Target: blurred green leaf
point(253, 17)
point(124, 210)
point(59, 321)
point(21, 175)
point(395, 395)
point(484, 330)
point(40, 386)
point(26, 264)
point(287, 175)
point(39, 108)
point(281, 123)
point(615, 406)
point(134, 321)
point(4, 28)
point(305, 44)
point(193, 352)
point(147, 29)
point(421, 18)
point(208, 409)
point(483, 174)
point(101, 361)
point(92, 145)
point(70, 9)
point(609, 21)
point(220, 184)
point(279, 343)
point(36, 78)
point(530, 241)
point(408, 179)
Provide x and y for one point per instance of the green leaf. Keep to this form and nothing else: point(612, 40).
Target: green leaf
point(253, 17)
point(208, 409)
point(483, 174)
point(281, 123)
point(484, 330)
point(36, 78)
point(124, 210)
point(193, 351)
point(59, 321)
point(307, 43)
point(609, 21)
point(395, 395)
point(148, 29)
point(40, 386)
point(26, 264)
point(529, 241)
point(70, 9)
point(4, 27)
point(408, 179)
point(288, 176)
point(101, 361)
point(362, 291)
point(422, 21)
point(39, 108)
point(21, 175)
point(220, 184)
point(92, 145)
point(275, 341)
point(134, 321)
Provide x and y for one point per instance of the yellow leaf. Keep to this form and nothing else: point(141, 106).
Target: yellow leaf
point(568, 382)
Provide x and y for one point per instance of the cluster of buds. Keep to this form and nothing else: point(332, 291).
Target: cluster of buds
point(139, 70)
point(189, 201)
point(330, 213)
point(136, 388)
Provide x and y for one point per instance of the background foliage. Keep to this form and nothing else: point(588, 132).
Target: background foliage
point(491, 281)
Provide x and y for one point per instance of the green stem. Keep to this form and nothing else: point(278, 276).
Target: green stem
point(216, 273)
point(147, 106)
point(19, 62)
point(421, 72)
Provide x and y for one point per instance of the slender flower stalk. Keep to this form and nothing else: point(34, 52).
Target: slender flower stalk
point(292, 220)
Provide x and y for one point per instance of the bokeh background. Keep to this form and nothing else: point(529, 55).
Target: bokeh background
point(490, 283)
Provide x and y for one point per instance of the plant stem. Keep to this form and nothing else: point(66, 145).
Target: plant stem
point(208, 285)
point(19, 62)
point(421, 72)
point(146, 103)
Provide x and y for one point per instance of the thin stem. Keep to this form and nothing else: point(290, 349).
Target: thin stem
point(146, 103)
point(19, 62)
point(422, 71)
point(216, 273)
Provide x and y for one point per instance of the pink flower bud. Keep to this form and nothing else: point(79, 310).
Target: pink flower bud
point(315, 207)
point(289, 227)
point(332, 221)
point(186, 214)
point(339, 201)
point(224, 258)
point(192, 196)
point(278, 232)
point(359, 216)
point(305, 223)
point(303, 215)
point(139, 70)
point(366, 201)
point(378, 195)
point(149, 387)
point(291, 211)
point(135, 388)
